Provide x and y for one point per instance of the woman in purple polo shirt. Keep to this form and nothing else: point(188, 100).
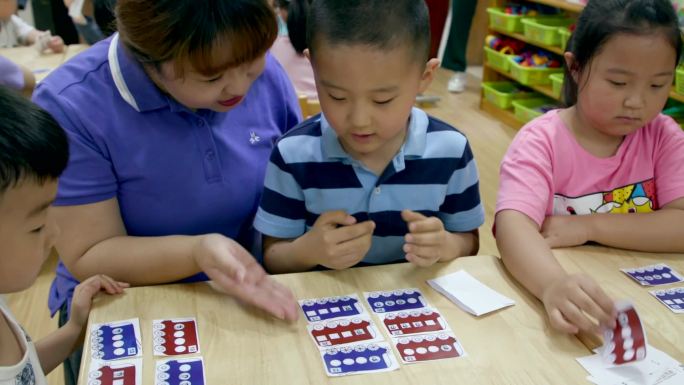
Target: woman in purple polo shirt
point(171, 124)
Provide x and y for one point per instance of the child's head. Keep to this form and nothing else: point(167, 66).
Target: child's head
point(205, 54)
point(295, 14)
point(370, 60)
point(621, 61)
point(7, 9)
point(33, 153)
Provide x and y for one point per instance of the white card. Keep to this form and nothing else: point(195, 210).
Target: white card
point(469, 294)
point(359, 358)
point(657, 368)
point(117, 372)
point(344, 331)
point(180, 371)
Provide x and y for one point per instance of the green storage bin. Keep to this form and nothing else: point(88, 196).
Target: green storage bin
point(564, 34)
point(544, 30)
point(499, 19)
point(527, 109)
point(679, 80)
point(497, 60)
point(557, 84)
point(502, 94)
point(531, 76)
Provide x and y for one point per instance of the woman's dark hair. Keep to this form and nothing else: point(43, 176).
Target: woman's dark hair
point(212, 35)
point(32, 145)
point(602, 19)
point(297, 14)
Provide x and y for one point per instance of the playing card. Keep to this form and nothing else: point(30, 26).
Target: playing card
point(321, 309)
point(344, 331)
point(426, 320)
point(397, 300)
point(654, 275)
point(115, 340)
point(360, 358)
point(428, 347)
point(626, 341)
point(175, 336)
point(672, 298)
point(180, 371)
point(121, 372)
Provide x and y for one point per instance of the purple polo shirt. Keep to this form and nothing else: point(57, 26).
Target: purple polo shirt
point(173, 171)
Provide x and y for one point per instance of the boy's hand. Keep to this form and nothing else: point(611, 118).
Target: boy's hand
point(336, 241)
point(84, 293)
point(565, 230)
point(56, 44)
point(236, 272)
point(427, 241)
point(570, 299)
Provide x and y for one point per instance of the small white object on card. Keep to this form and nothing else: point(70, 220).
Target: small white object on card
point(470, 294)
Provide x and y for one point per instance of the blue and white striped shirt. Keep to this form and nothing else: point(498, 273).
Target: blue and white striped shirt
point(309, 173)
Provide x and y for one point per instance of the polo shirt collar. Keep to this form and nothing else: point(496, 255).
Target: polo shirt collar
point(413, 147)
point(131, 81)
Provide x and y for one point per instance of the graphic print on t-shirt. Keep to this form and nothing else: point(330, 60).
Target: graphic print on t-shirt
point(634, 198)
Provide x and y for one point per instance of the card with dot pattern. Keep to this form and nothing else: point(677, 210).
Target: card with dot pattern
point(119, 372)
point(180, 371)
point(672, 298)
point(395, 300)
point(176, 336)
point(115, 340)
point(654, 275)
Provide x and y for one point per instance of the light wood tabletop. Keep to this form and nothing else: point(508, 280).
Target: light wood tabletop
point(513, 345)
point(41, 64)
point(664, 329)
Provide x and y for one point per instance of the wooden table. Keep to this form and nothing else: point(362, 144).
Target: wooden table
point(664, 329)
point(41, 64)
point(240, 345)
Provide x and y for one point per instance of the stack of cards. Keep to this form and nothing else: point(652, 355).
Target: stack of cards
point(347, 339)
point(173, 337)
point(419, 332)
point(116, 351)
point(470, 294)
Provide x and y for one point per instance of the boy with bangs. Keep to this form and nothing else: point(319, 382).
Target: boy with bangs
point(371, 180)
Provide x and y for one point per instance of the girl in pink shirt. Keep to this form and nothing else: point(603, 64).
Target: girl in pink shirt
point(611, 151)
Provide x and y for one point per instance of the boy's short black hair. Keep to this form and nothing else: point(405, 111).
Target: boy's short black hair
point(32, 144)
point(384, 24)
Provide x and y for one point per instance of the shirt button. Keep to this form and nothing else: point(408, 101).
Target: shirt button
point(200, 122)
point(378, 190)
point(210, 155)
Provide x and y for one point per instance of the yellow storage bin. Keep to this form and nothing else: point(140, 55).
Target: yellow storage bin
point(531, 76)
point(557, 84)
point(528, 109)
point(544, 30)
point(502, 94)
point(499, 19)
point(679, 80)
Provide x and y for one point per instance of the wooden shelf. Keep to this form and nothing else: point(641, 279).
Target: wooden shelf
point(519, 36)
point(564, 5)
point(542, 89)
point(505, 116)
point(676, 96)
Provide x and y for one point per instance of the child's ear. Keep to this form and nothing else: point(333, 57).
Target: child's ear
point(571, 65)
point(307, 53)
point(428, 74)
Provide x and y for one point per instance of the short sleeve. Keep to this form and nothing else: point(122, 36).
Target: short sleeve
point(462, 209)
point(669, 162)
point(89, 176)
point(23, 28)
point(11, 74)
point(526, 173)
point(282, 211)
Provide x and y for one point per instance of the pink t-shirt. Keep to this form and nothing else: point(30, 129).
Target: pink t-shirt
point(546, 172)
point(297, 66)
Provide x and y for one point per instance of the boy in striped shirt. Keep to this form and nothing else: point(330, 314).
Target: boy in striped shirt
point(372, 180)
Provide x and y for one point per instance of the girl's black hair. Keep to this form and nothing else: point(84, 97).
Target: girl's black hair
point(297, 15)
point(602, 19)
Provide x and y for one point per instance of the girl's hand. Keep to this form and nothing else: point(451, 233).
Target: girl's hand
point(56, 44)
point(237, 273)
point(569, 300)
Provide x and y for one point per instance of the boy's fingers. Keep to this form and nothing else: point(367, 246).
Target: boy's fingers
point(335, 218)
point(412, 216)
point(351, 232)
point(431, 224)
point(424, 239)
